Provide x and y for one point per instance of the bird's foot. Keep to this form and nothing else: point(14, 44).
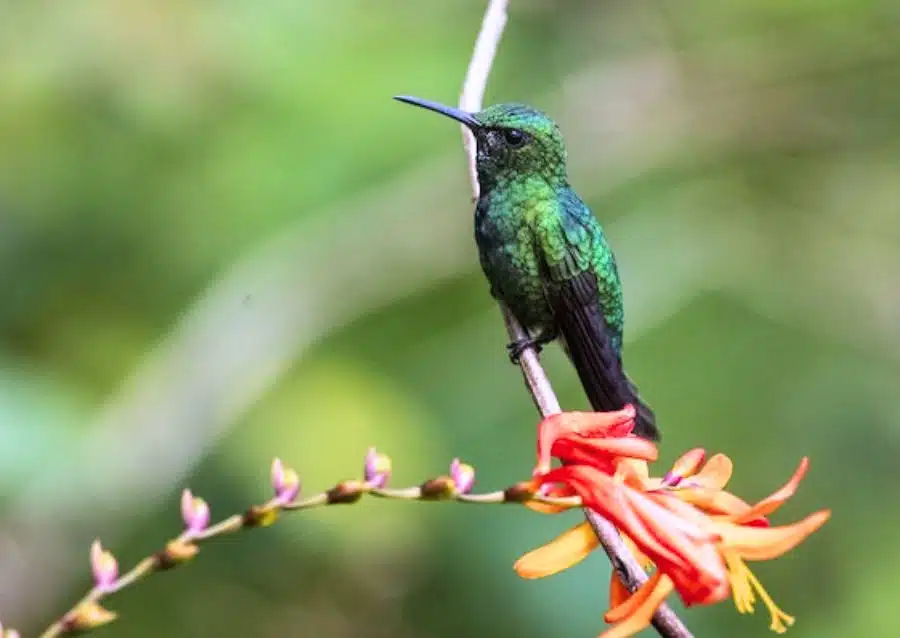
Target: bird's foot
point(516, 348)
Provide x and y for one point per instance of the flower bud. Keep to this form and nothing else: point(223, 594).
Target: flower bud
point(175, 553)
point(261, 516)
point(103, 565)
point(195, 512)
point(377, 469)
point(520, 492)
point(463, 476)
point(285, 482)
point(345, 493)
point(87, 616)
point(440, 488)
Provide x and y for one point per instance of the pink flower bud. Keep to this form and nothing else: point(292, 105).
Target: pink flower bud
point(103, 565)
point(194, 511)
point(9, 633)
point(377, 469)
point(285, 482)
point(463, 476)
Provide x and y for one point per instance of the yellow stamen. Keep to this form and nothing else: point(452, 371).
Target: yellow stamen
point(740, 586)
point(780, 620)
point(744, 588)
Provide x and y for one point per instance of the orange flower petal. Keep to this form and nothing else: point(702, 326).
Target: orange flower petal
point(676, 517)
point(778, 498)
point(765, 543)
point(555, 491)
point(587, 424)
point(571, 454)
point(641, 617)
point(688, 463)
point(715, 502)
point(631, 447)
point(708, 587)
point(604, 424)
point(699, 573)
point(715, 474)
point(559, 490)
point(545, 508)
point(566, 550)
point(684, 512)
point(689, 549)
point(633, 472)
point(602, 494)
point(594, 424)
point(618, 592)
point(680, 547)
point(634, 601)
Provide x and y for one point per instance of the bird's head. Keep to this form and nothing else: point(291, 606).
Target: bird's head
point(514, 141)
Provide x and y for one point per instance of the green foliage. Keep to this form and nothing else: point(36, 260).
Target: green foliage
point(742, 158)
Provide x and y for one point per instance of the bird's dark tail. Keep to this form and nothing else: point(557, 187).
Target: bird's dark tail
point(645, 421)
point(586, 338)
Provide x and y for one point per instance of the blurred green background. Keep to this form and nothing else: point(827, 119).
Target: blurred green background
point(222, 241)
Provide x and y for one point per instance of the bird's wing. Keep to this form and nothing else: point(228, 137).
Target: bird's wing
point(572, 291)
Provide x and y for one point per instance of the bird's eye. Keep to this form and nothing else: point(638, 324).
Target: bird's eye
point(514, 138)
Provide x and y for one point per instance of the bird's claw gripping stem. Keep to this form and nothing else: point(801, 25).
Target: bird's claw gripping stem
point(516, 348)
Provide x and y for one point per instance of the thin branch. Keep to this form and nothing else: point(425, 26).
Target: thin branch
point(477, 74)
point(665, 621)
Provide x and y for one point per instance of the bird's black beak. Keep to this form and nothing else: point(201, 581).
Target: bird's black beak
point(457, 114)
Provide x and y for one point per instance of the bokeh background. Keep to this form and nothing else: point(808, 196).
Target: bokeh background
point(222, 241)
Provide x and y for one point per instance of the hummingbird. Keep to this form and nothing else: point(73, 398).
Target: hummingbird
point(544, 253)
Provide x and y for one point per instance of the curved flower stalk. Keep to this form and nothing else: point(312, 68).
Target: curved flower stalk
point(695, 535)
point(455, 486)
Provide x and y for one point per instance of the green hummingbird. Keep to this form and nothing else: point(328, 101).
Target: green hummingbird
point(544, 253)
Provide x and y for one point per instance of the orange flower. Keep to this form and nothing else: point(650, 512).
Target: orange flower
point(696, 534)
point(744, 529)
point(598, 439)
point(678, 544)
